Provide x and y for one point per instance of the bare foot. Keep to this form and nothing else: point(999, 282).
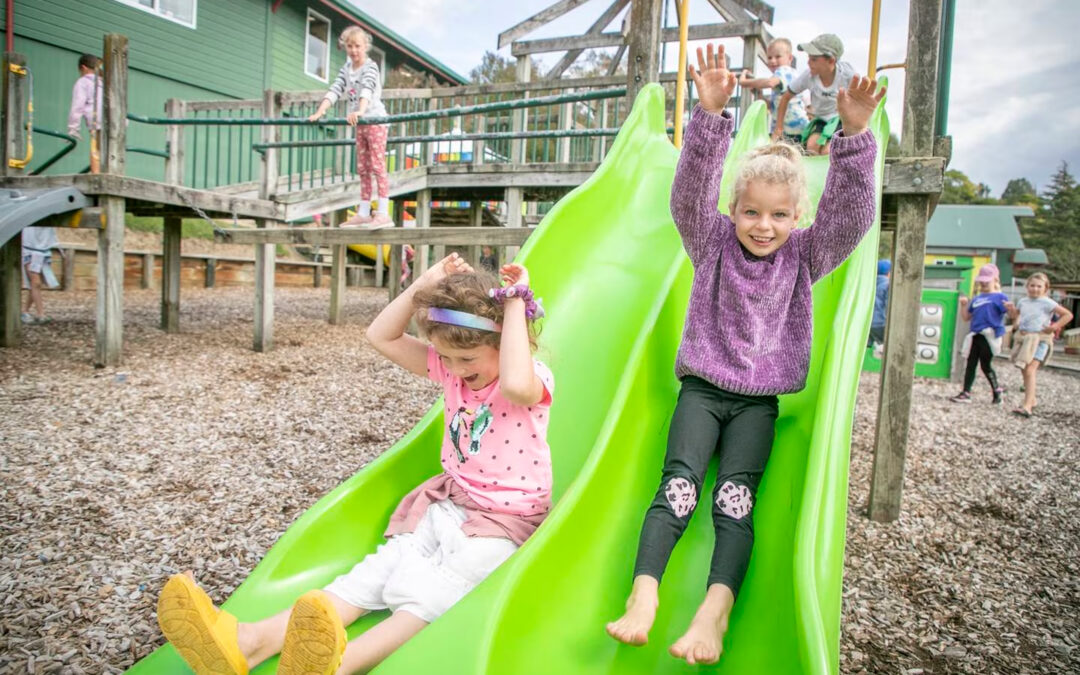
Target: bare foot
point(633, 627)
point(703, 641)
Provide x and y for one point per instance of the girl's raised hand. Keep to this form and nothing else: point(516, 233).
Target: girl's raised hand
point(857, 103)
point(715, 83)
point(513, 273)
point(451, 264)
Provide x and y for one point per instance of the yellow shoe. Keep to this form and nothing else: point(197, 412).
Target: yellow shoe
point(315, 638)
point(204, 636)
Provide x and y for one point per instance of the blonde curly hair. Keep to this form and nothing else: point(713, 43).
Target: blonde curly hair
point(778, 163)
point(351, 31)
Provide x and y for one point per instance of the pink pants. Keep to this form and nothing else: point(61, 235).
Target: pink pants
point(371, 159)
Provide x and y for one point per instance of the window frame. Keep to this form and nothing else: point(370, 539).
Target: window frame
point(157, 12)
point(307, 36)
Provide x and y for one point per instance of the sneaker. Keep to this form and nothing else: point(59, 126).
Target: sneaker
point(999, 396)
point(379, 221)
point(27, 318)
point(356, 221)
point(962, 397)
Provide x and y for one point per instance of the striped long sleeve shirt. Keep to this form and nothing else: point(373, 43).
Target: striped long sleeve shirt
point(355, 84)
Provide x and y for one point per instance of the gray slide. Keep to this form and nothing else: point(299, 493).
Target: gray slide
point(23, 208)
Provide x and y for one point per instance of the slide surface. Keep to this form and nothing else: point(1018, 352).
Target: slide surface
point(611, 270)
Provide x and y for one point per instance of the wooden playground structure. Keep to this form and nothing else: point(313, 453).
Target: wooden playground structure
point(519, 144)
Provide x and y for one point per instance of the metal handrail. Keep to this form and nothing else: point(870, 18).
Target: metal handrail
point(486, 136)
point(441, 113)
point(72, 142)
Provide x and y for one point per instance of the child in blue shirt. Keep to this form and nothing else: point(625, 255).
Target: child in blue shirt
point(781, 62)
point(986, 312)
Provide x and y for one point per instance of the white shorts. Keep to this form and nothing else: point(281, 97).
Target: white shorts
point(426, 571)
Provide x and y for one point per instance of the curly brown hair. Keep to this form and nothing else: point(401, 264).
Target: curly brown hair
point(466, 292)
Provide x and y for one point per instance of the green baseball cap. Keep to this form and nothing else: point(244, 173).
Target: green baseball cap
point(825, 44)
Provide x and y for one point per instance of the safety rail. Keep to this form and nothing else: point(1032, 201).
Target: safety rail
point(60, 154)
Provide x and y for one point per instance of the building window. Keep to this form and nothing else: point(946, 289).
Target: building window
point(317, 49)
point(178, 11)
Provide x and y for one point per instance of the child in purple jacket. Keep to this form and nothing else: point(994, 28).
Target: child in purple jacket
point(747, 333)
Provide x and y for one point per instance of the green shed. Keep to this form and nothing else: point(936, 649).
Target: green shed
point(197, 50)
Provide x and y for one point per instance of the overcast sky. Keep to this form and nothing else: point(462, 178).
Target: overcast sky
point(1015, 99)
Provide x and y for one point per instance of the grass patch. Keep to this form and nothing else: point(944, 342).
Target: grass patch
point(191, 227)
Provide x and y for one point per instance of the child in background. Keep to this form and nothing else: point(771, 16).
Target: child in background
point(824, 76)
point(361, 82)
point(780, 61)
point(986, 312)
point(449, 533)
point(86, 105)
point(1033, 343)
point(881, 304)
point(37, 246)
point(747, 335)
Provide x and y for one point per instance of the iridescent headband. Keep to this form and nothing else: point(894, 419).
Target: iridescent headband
point(463, 319)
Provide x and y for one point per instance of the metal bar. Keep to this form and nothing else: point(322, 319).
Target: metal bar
point(148, 151)
point(228, 155)
point(389, 119)
point(71, 140)
point(486, 136)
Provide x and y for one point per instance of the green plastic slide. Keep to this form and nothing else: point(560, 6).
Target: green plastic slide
point(614, 279)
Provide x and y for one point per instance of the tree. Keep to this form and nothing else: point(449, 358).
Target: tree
point(494, 68)
point(1056, 226)
point(1020, 191)
point(959, 189)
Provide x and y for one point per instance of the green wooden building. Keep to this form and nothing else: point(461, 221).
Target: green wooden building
point(197, 50)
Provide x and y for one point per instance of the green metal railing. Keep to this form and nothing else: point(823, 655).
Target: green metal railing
point(221, 146)
point(60, 154)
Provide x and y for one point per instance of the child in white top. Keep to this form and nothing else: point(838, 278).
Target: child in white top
point(824, 76)
point(1033, 342)
point(780, 61)
point(361, 82)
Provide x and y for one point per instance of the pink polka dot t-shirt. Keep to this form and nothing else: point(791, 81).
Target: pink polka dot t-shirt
point(495, 450)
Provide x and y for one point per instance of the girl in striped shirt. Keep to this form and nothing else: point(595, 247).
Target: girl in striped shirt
point(361, 82)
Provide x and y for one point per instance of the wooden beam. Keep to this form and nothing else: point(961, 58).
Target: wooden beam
point(902, 323)
point(423, 222)
point(12, 111)
point(394, 236)
point(519, 118)
point(542, 17)
point(914, 175)
point(598, 27)
point(110, 278)
point(643, 47)
point(393, 286)
point(710, 31)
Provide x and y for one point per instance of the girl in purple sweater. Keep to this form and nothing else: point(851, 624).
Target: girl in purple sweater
point(747, 333)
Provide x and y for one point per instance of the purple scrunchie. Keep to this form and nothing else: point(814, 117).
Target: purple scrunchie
point(533, 309)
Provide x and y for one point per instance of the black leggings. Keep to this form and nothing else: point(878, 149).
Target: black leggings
point(982, 355)
point(708, 420)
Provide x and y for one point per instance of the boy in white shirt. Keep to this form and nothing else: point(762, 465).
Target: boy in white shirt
point(824, 77)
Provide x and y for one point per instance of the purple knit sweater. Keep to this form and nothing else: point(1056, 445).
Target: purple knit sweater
point(749, 323)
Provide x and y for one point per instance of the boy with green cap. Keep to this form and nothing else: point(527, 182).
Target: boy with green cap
point(825, 75)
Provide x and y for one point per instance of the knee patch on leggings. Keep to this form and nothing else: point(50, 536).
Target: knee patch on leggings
point(734, 500)
point(682, 495)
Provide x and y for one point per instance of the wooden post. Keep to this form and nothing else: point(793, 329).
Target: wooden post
point(338, 258)
point(11, 294)
point(147, 280)
point(566, 124)
point(476, 219)
point(265, 254)
point(600, 143)
point(514, 198)
point(394, 282)
point(68, 281)
point(519, 120)
point(478, 146)
point(902, 324)
point(171, 236)
point(423, 219)
point(110, 279)
point(750, 46)
point(399, 150)
point(211, 272)
point(12, 109)
point(380, 265)
point(643, 43)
